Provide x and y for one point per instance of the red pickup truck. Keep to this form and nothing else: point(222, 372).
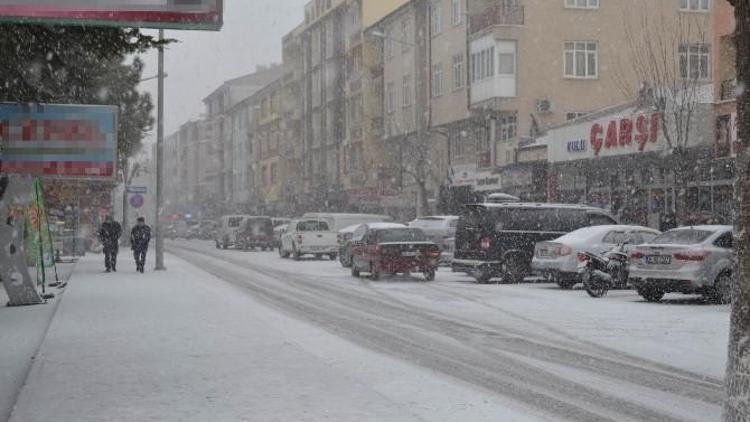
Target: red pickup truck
point(392, 251)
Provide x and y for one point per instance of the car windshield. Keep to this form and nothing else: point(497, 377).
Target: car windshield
point(312, 226)
point(681, 237)
point(400, 235)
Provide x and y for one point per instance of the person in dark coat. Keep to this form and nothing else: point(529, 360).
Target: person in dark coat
point(109, 234)
point(140, 236)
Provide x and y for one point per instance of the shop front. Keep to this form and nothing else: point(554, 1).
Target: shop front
point(620, 161)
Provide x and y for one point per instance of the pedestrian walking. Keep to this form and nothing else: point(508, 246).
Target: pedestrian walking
point(109, 235)
point(140, 236)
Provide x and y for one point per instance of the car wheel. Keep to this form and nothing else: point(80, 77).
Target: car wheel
point(283, 254)
point(355, 271)
point(514, 272)
point(429, 275)
point(721, 291)
point(296, 254)
point(651, 294)
point(218, 245)
point(566, 284)
point(225, 245)
point(483, 276)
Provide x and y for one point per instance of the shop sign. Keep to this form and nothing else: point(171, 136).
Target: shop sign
point(625, 133)
point(488, 181)
point(464, 175)
point(579, 145)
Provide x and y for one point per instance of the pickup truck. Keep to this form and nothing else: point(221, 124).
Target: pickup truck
point(309, 237)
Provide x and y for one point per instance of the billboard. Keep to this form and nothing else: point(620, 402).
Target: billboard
point(165, 14)
point(61, 141)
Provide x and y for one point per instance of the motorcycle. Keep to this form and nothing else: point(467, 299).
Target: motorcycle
point(600, 273)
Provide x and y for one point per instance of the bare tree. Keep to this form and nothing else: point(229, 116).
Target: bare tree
point(737, 406)
point(665, 68)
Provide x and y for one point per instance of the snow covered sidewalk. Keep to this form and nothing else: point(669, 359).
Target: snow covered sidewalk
point(184, 346)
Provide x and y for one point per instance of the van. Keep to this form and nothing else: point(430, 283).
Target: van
point(229, 226)
point(498, 239)
point(256, 232)
point(337, 221)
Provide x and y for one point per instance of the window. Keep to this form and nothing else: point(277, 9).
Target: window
point(506, 64)
point(405, 34)
point(458, 71)
point(508, 127)
point(694, 61)
point(726, 241)
point(389, 44)
point(483, 64)
point(437, 18)
point(406, 91)
point(574, 115)
point(456, 12)
point(581, 60)
point(582, 4)
point(694, 5)
point(389, 97)
point(437, 80)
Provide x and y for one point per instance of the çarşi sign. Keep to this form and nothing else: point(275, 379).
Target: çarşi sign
point(60, 141)
point(162, 14)
point(625, 133)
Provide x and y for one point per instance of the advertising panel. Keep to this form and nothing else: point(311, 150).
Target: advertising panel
point(164, 14)
point(61, 141)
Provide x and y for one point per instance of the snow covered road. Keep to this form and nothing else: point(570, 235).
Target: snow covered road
point(559, 353)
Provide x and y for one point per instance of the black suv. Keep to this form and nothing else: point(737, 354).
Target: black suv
point(497, 240)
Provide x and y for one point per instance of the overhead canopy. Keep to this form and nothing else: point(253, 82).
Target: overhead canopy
point(164, 14)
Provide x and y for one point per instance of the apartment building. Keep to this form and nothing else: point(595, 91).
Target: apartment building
point(267, 135)
point(537, 63)
point(233, 182)
point(292, 147)
point(323, 111)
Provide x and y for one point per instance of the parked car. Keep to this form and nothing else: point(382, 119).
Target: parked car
point(279, 231)
point(393, 250)
point(437, 228)
point(338, 221)
point(345, 240)
point(697, 259)
point(309, 237)
point(229, 226)
point(256, 232)
point(207, 229)
point(557, 260)
point(498, 240)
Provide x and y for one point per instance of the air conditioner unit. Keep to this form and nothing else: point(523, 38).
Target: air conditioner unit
point(544, 106)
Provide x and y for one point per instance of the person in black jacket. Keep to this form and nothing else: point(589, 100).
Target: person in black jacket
point(140, 236)
point(109, 234)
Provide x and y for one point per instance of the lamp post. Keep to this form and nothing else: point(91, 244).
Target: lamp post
point(160, 160)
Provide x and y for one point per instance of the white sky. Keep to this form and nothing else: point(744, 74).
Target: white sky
point(203, 60)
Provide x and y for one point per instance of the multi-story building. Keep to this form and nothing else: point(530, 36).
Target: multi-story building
point(323, 113)
point(233, 182)
point(267, 135)
point(292, 148)
point(537, 63)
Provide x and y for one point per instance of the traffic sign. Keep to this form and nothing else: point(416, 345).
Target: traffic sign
point(136, 201)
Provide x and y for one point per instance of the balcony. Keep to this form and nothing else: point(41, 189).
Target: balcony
point(497, 15)
point(728, 90)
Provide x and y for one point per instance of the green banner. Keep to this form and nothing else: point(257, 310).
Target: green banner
point(39, 237)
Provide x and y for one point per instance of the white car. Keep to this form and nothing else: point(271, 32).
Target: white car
point(309, 237)
point(438, 228)
point(697, 259)
point(558, 259)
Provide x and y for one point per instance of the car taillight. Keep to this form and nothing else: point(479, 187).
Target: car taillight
point(636, 255)
point(433, 253)
point(582, 257)
point(486, 243)
point(692, 256)
point(299, 238)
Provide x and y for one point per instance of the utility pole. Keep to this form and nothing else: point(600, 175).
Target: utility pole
point(160, 160)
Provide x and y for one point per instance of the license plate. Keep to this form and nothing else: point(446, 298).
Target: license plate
point(659, 259)
point(408, 253)
point(544, 253)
